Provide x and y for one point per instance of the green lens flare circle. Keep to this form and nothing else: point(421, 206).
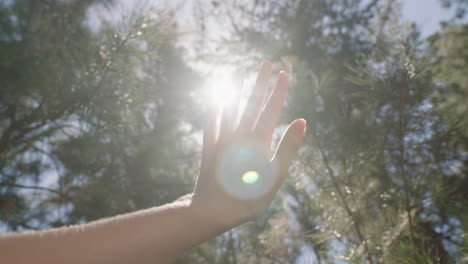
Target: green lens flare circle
point(250, 177)
point(244, 172)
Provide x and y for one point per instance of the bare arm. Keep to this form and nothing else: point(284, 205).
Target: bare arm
point(155, 235)
point(222, 199)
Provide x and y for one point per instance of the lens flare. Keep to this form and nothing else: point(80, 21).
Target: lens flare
point(245, 172)
point(250, 177)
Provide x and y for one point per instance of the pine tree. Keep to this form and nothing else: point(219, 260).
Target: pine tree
point(377, 167)
point(97, 120)
point(94, 119)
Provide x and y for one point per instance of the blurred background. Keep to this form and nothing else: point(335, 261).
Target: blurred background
point(102, 104)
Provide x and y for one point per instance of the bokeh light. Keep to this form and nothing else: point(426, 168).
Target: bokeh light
point(250, 177)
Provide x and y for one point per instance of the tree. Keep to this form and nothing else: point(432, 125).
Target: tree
point(460, 7)
point(375, 162)
point(449, 50)
point(94, 121)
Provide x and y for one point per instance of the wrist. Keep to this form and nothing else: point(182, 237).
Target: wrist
point(218, 215)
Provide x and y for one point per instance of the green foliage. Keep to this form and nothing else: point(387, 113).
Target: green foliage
point(404, 254)
point(93, 122)
point(459, 5)
point(99, 121)
point(372, 184)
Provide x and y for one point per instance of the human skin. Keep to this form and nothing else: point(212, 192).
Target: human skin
point(160, 234)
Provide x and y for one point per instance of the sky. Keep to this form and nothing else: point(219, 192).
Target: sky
point(427, 14)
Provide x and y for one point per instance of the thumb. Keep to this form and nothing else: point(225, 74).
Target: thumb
point(287, 149)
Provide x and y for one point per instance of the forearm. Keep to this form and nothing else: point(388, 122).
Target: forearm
point(155, 235)
point(159, 235)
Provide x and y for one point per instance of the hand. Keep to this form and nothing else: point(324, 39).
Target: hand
point(237, 180)
point(222, 198)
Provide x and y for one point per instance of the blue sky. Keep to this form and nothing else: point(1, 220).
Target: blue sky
point(426, 13)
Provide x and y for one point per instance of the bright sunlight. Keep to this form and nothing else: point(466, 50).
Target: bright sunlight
point(221, 90)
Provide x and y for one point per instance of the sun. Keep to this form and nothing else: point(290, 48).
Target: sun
point(221, 90)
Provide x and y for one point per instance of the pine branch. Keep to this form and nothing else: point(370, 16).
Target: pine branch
point(107, 68)
point(345, 204)
point(403, 91)
point(14, 185)
point(383, 19)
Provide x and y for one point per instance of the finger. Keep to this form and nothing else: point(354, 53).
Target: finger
point(287, 149)
point(270, 114)
point(255, 103)
point(229, 117)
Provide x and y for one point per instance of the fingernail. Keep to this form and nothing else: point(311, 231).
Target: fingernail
point(300, 129)
point(283, 75)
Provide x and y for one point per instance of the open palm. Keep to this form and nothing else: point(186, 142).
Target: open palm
point(237, 179)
